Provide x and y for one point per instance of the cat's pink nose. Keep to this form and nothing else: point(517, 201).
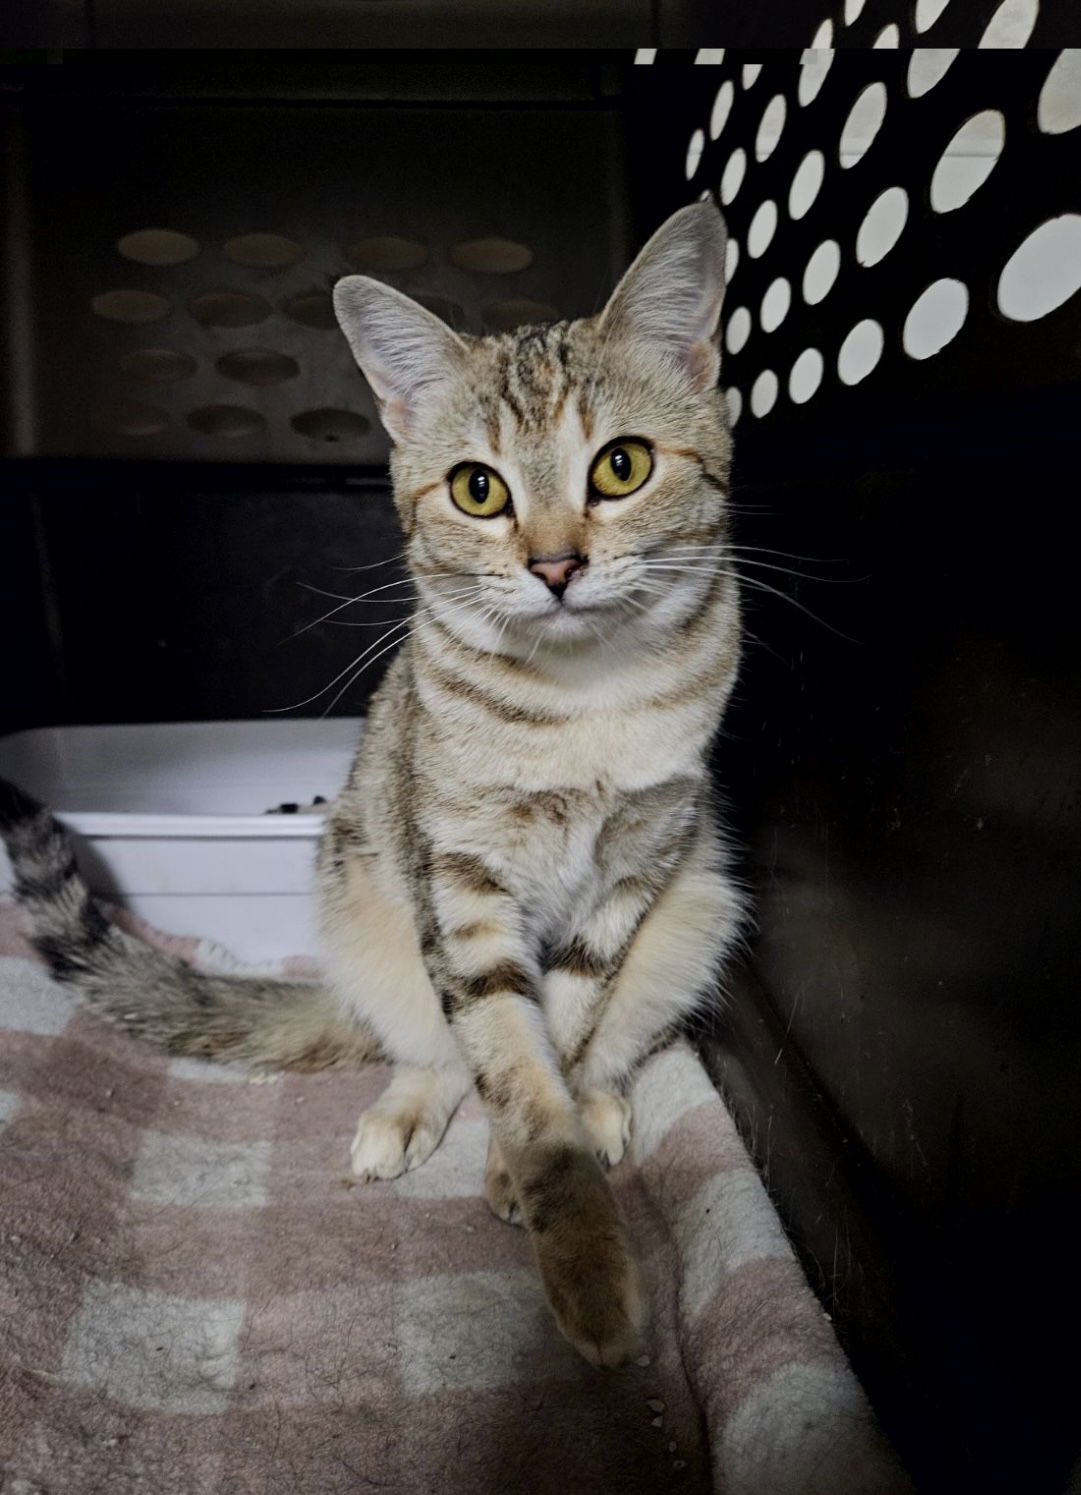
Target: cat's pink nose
point(556, 571)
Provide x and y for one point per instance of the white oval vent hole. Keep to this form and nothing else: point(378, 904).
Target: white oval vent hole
point(709, 56)
point(769, 130)
point(492, 256)
point(257, 366)
point(883, 226)
point(312, 309)
point(738, 329)
point(806, 183)
point(751, 71)
point(1011, 25)
point(763, 227)
point(330, 425)
point(775, 304)
point(764, 393)
point(734, 401)
point(968, 160)
point(863, 123)
point(385, 252)
point(158, 365)
point(821, 272)
point(731, 259)
point(130, 418)
point(822, 41)
point(130, 306)
point(734, 172)
point(936, 318)
point(518, 311)
point(1044, 270)
point(806, 376)
point(889, 36)
point(860, 352)
point(228, 421)
point(228, 308)
point(158, 246)
point(264, 251)
point(853, 10)
point(814, 66)
point(1059, 108)
point(722, 108)
point(926, 67)
point(695, 146)
point(928, 12)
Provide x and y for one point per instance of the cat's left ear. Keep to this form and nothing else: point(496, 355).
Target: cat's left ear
point(672, 294)
point(403, 350)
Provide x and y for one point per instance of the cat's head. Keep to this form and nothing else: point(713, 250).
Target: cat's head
point(565, 484)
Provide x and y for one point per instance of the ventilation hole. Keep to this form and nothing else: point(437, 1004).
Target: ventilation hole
point(806, 183)
point(722, 107)
point(928, 12)
point(259, 366)
point(695, 147)
point(882, 226)
point(1059, 108)
point(750, 73)
point(889, 36)
point(330, 425)
point(928, 66)
point(711, 55)
point(806, 376)
point(763, 227)
point(158, 246)
point(385, 253)
point(734, 401)
point(734, 172)
point(731, 259)
point(936, 318)
point(775, 304)
point(821, 272)
point(1011, 25)
point(263, 251)
point(769, 131)
point(157, 365)
point(646, 55)
point(1043, 272)
point(228, 308)
point(492, 256)
point(822, 40)
point(863, 124)
point(738, 329)
point(518, 312)
point(860, 351)
point(448, 311)
point(853, 10)
point(968, 160)
point(129, 418)
point(764, 393)
point(313, 309)
point(814, 66)
point(226, 420)
point(130, 306)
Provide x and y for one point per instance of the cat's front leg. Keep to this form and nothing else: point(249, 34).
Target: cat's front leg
point(489, 982)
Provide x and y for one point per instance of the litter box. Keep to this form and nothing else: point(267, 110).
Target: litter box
point(174, 820)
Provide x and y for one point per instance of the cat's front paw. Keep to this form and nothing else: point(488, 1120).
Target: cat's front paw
point(498, 1188)
point(607, 1119)
point(387, 1145)
point(591, 1277)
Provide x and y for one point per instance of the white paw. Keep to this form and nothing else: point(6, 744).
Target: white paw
point(607, 1118)
point(386, 1146)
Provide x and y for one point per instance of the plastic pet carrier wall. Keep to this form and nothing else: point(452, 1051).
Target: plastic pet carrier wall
point(192, 461)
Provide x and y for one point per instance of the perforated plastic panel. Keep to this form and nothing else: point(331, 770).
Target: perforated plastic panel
point(905, 229)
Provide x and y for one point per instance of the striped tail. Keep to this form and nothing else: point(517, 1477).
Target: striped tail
point(259, 1021)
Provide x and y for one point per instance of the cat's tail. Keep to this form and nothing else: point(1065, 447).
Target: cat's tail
point(265, 1023)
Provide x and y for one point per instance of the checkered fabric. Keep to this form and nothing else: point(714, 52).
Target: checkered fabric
point(197, 1299)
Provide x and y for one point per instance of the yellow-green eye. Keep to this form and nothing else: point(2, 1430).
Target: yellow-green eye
point(479, 490)
point(621, 468)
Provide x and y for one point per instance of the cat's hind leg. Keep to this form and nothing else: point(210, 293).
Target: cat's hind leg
point(374, 964)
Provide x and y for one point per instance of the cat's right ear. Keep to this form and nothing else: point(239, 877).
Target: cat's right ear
point(404, 351)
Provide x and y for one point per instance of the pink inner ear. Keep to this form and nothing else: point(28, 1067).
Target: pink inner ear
point(703, 365)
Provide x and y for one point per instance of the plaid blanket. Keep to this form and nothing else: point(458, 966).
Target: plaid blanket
point(196, 1299)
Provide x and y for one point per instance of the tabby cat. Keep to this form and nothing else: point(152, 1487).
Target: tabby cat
point(522, 885)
